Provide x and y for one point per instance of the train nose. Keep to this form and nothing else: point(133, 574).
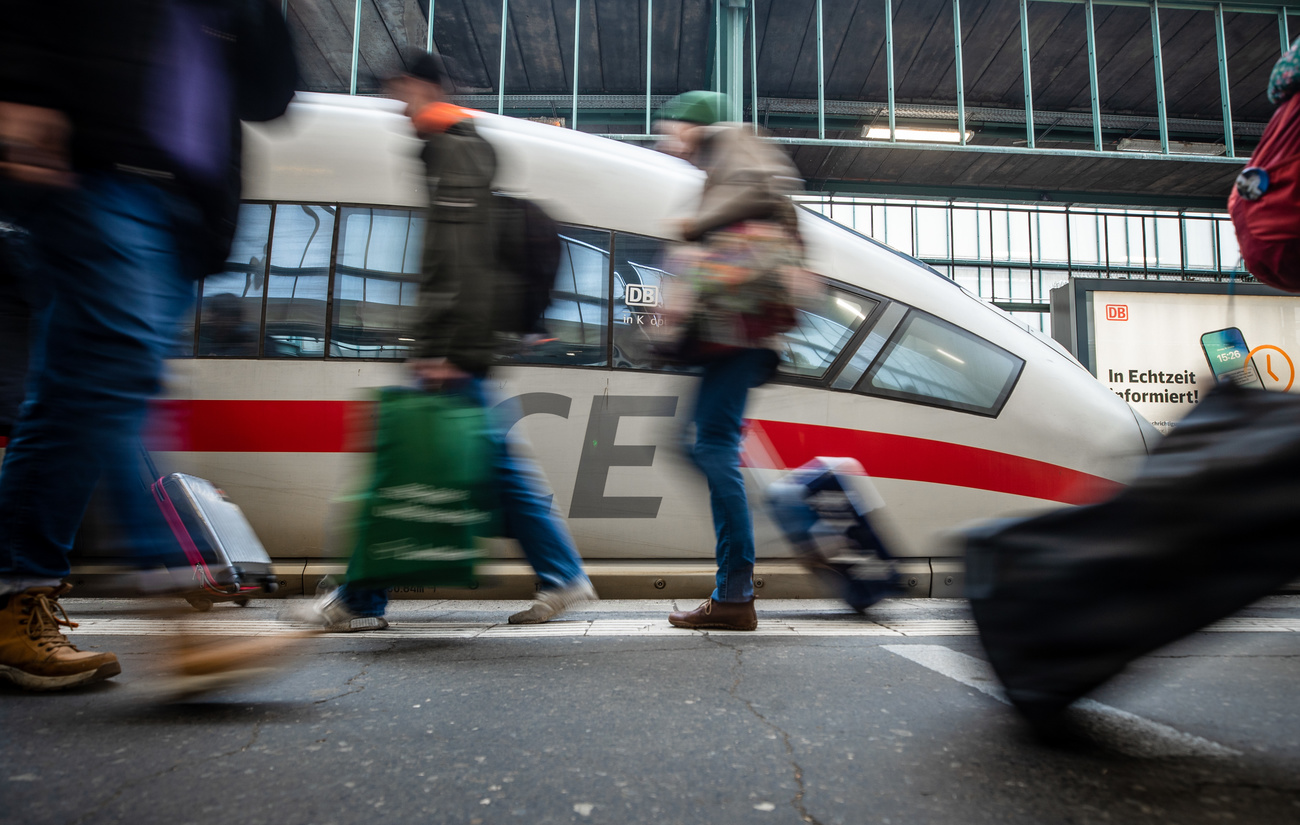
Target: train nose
point(1150, 435)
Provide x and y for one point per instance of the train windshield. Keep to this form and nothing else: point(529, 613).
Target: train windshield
point(931, 361)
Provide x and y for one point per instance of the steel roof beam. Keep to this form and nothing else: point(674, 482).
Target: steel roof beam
point(947, 193)
point(501, 76)
point(1094, 92)
point(889, 56)
point(1224, 99)
point(961, 83)
point(733, 64)
point(986, 149)
point(866, 110)
point(1026, 77)
point(577, 50)
point(649, 63)
point(1159, 62)
point(1238, 7)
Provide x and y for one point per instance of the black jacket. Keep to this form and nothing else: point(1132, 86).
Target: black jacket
point(155, 88)
point(460, 263)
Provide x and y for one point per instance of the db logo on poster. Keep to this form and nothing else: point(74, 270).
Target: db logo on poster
point(641, 295)
point(1116, 312)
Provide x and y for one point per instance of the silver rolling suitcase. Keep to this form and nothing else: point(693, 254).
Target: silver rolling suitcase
point(228, 560)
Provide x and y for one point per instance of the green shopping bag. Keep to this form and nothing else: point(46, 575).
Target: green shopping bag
point(430, 496)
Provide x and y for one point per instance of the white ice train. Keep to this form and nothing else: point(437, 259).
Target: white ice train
point(956, 410)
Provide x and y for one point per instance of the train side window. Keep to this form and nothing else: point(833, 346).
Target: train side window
point(230, 304)
point(931, 361)
point(870, 348)
point(302, 240)
point(576, 321)
point(639, 282)
point(376, 282)
point(808, 350)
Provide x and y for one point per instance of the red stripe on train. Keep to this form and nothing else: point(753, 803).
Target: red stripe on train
point(908, 458)
point(206, 426)
point(332, 427)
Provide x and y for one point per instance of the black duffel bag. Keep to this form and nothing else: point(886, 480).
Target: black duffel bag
point(1064, 601)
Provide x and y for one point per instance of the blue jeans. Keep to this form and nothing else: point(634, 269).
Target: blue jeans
point(112, 254)
point(526, 508)
point(718, 418)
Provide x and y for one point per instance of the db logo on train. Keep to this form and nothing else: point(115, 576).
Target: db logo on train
point(641, 295)
point(1116, 312)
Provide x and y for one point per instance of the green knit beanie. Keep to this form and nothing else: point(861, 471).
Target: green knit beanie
point(704, 108)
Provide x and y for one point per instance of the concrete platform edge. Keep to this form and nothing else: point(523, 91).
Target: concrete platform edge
point(939, 577)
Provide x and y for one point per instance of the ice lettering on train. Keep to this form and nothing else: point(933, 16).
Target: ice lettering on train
point(600, 453)
point(511, 410)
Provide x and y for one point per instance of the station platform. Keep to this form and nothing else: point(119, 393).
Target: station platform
point(609, 714)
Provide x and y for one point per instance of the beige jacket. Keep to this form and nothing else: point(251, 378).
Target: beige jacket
point(748, 179)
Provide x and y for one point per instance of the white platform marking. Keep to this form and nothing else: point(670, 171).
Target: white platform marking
point(1127, 732)
point(847, 625)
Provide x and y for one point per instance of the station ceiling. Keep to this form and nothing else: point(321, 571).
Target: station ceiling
point(612, 67)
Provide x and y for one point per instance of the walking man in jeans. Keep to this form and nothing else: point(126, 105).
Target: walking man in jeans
point(744, 231)
point(119, 147)
point(461, 300)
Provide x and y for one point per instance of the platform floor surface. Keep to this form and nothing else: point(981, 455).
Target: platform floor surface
point(610, 715)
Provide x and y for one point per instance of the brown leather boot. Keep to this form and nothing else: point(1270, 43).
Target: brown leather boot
point(34, 653)
point(711, 615)
point(198, 664)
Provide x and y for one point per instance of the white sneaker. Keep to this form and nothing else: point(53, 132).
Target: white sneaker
point(333, 614)
point(551, 603)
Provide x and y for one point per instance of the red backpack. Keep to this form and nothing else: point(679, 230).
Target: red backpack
point(1265, 202)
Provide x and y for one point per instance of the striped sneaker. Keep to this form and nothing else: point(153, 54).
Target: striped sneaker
point(551, 603)
point(334, 615)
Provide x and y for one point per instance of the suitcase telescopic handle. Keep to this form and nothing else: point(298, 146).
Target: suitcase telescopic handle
point(148, 461)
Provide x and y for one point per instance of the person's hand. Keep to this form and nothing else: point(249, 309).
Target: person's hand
point(681, 227)
point(34, 145)
point(435, 370)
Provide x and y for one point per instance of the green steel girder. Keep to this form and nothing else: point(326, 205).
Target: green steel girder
point(594, 119)
point(1003, 195)
point(1236, 6)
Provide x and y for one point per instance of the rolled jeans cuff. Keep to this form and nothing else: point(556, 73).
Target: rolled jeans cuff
point(18, 585)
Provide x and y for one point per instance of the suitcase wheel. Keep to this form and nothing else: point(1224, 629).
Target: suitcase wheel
point(242, 601)
point(200, 603)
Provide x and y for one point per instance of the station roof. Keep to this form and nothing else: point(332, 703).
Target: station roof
point(612, 67)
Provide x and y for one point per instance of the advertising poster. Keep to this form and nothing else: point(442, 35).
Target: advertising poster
point(1156, 350)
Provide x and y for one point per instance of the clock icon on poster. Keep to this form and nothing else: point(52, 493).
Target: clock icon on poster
point(1281, 370)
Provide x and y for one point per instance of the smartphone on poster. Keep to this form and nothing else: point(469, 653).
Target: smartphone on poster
point(1229, 358)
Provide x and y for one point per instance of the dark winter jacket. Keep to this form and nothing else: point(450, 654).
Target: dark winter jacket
point(155, 88)
point(460, 255)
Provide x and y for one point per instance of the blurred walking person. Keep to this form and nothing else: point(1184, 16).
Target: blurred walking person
point(119, 146)
point(1066, 600)
point(15, 318)
point(732, 297)
point(464, 298)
